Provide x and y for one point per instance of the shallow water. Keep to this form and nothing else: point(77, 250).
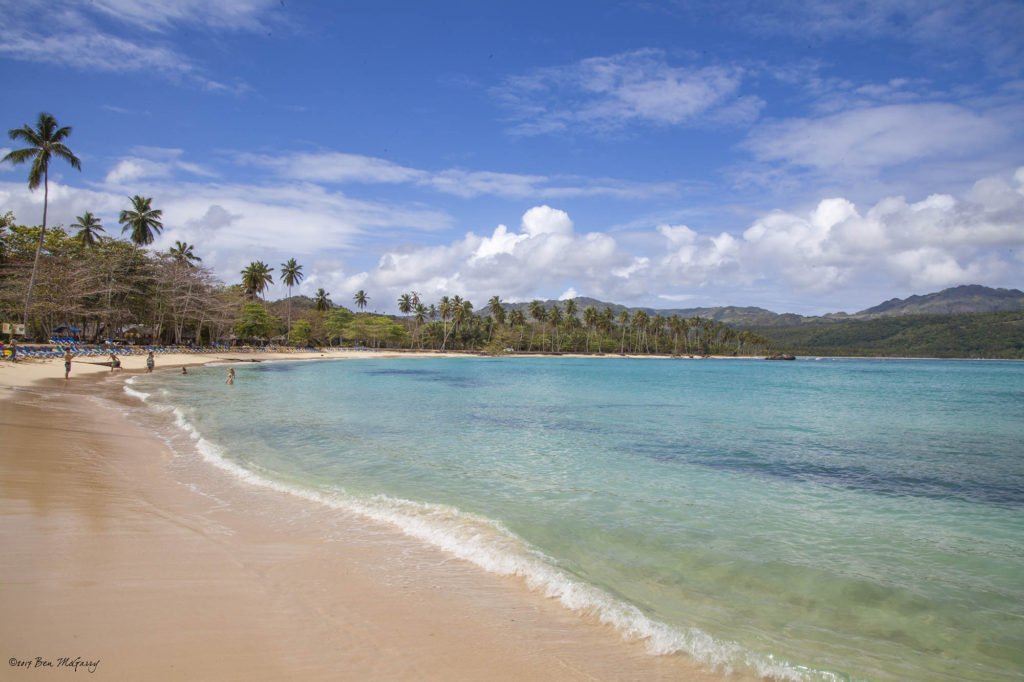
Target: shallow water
point(808, 520)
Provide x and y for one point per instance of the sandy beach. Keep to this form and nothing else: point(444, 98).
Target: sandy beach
point(127, 561)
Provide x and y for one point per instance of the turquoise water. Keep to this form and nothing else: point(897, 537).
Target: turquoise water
point(834, 519)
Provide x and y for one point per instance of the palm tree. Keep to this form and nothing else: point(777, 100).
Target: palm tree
point(45, 141)
point(517, 319)
point(88, 225)
point(497, 312)
point(320, 300)
point(256, 277)
point(360, 299)
point(623, 322)
point(291, 274)
point(555, 318)
point(143, 220)
point(420, 316)
point(590, 316)
point(539, 313)
point(183, 253)
point(405, 304)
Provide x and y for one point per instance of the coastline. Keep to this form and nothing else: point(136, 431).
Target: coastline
point(160, 567)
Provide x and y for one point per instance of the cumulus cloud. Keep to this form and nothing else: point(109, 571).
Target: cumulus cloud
point(606, 93)
point(893, 245)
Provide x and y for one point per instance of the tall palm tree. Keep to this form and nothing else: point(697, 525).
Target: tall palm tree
point(405, 304)
point(143, 220)
point(291, 274)
point(555, 319)
point(184, 253)
point(88, 225)
point(420, 316)
point(256, 277)
point(497, 312)
point(320, 300)
point(623, 322)
point(517, 319)
point(540, 314)
point(590, 321)
point(44, 141)
point(360, 298)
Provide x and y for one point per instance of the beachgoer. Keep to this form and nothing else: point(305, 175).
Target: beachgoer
point(184, 370)
point(68, 355)
point(115, 363)
point(150, 362)
point(14, 350)
point(231, 376)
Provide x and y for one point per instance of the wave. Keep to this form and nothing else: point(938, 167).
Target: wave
point(491, 546)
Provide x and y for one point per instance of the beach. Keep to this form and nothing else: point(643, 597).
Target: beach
point(128, 560)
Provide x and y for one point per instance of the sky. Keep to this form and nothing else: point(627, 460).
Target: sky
point(805, 156)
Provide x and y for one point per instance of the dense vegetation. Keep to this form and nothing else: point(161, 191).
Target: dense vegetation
point(111, 288)
point(961, 335)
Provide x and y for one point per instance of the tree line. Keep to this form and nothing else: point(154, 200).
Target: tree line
point(118, 289)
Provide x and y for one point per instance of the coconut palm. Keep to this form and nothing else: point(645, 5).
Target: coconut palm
point(143, 220)
point(623, 322)
point(539, 313)
point(255, 278)
point(291, 274)
point(45, 141)
point(360, 298)
point(320, 300)
point(184, 253)
point(420, 314)
point(590, 316)
point(88, 225)
point(405, 304)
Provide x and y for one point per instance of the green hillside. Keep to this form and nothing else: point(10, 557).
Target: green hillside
point(963, 335)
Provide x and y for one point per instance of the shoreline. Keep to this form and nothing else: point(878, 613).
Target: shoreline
point(161, 566)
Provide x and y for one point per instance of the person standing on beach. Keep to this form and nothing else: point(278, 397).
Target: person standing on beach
point(68, 356)
point(14, 349)
point(231, 376)
point(150, 362)
point(115, 363)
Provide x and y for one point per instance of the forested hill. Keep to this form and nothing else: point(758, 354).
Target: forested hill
point(959, 335)
point(963, 299)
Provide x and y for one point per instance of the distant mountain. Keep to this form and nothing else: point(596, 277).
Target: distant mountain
point(971, 298)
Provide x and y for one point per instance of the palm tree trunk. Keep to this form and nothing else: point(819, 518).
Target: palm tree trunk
point(39, 248)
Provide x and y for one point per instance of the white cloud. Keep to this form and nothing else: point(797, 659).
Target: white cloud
point(893, 245)
point(877, 137)
point(341, 168)
point(607, 93)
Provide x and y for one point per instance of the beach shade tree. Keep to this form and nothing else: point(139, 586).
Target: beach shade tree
point(88, 225)
point(256, 278)
point(44, 142)
point(291, 274)
point(360, 299)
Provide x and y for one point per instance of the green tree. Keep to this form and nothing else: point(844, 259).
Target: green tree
point(44, 142)
point(183, 254)
point(321, 302)
point(291, 274)
point(301, 333)
point(143, 221)
point(88, 225)
point(255, 322)
point(255, 278)
point(360, 299)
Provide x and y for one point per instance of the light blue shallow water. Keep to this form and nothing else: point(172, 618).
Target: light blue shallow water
point(840, 518)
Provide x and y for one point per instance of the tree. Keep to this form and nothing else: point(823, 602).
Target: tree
point(255, 278)
point(320, 301)
point(143, 221)
point(45, 141)
point(291, 274)
point(183, 254)
point(255, 322)
point(88, 225)
point(360, 299)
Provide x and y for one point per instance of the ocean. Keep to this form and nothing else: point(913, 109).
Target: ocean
point(824, 519)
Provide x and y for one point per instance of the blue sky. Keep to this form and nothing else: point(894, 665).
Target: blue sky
point(807, 157)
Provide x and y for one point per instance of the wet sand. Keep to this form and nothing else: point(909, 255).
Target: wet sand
point(154, 565)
